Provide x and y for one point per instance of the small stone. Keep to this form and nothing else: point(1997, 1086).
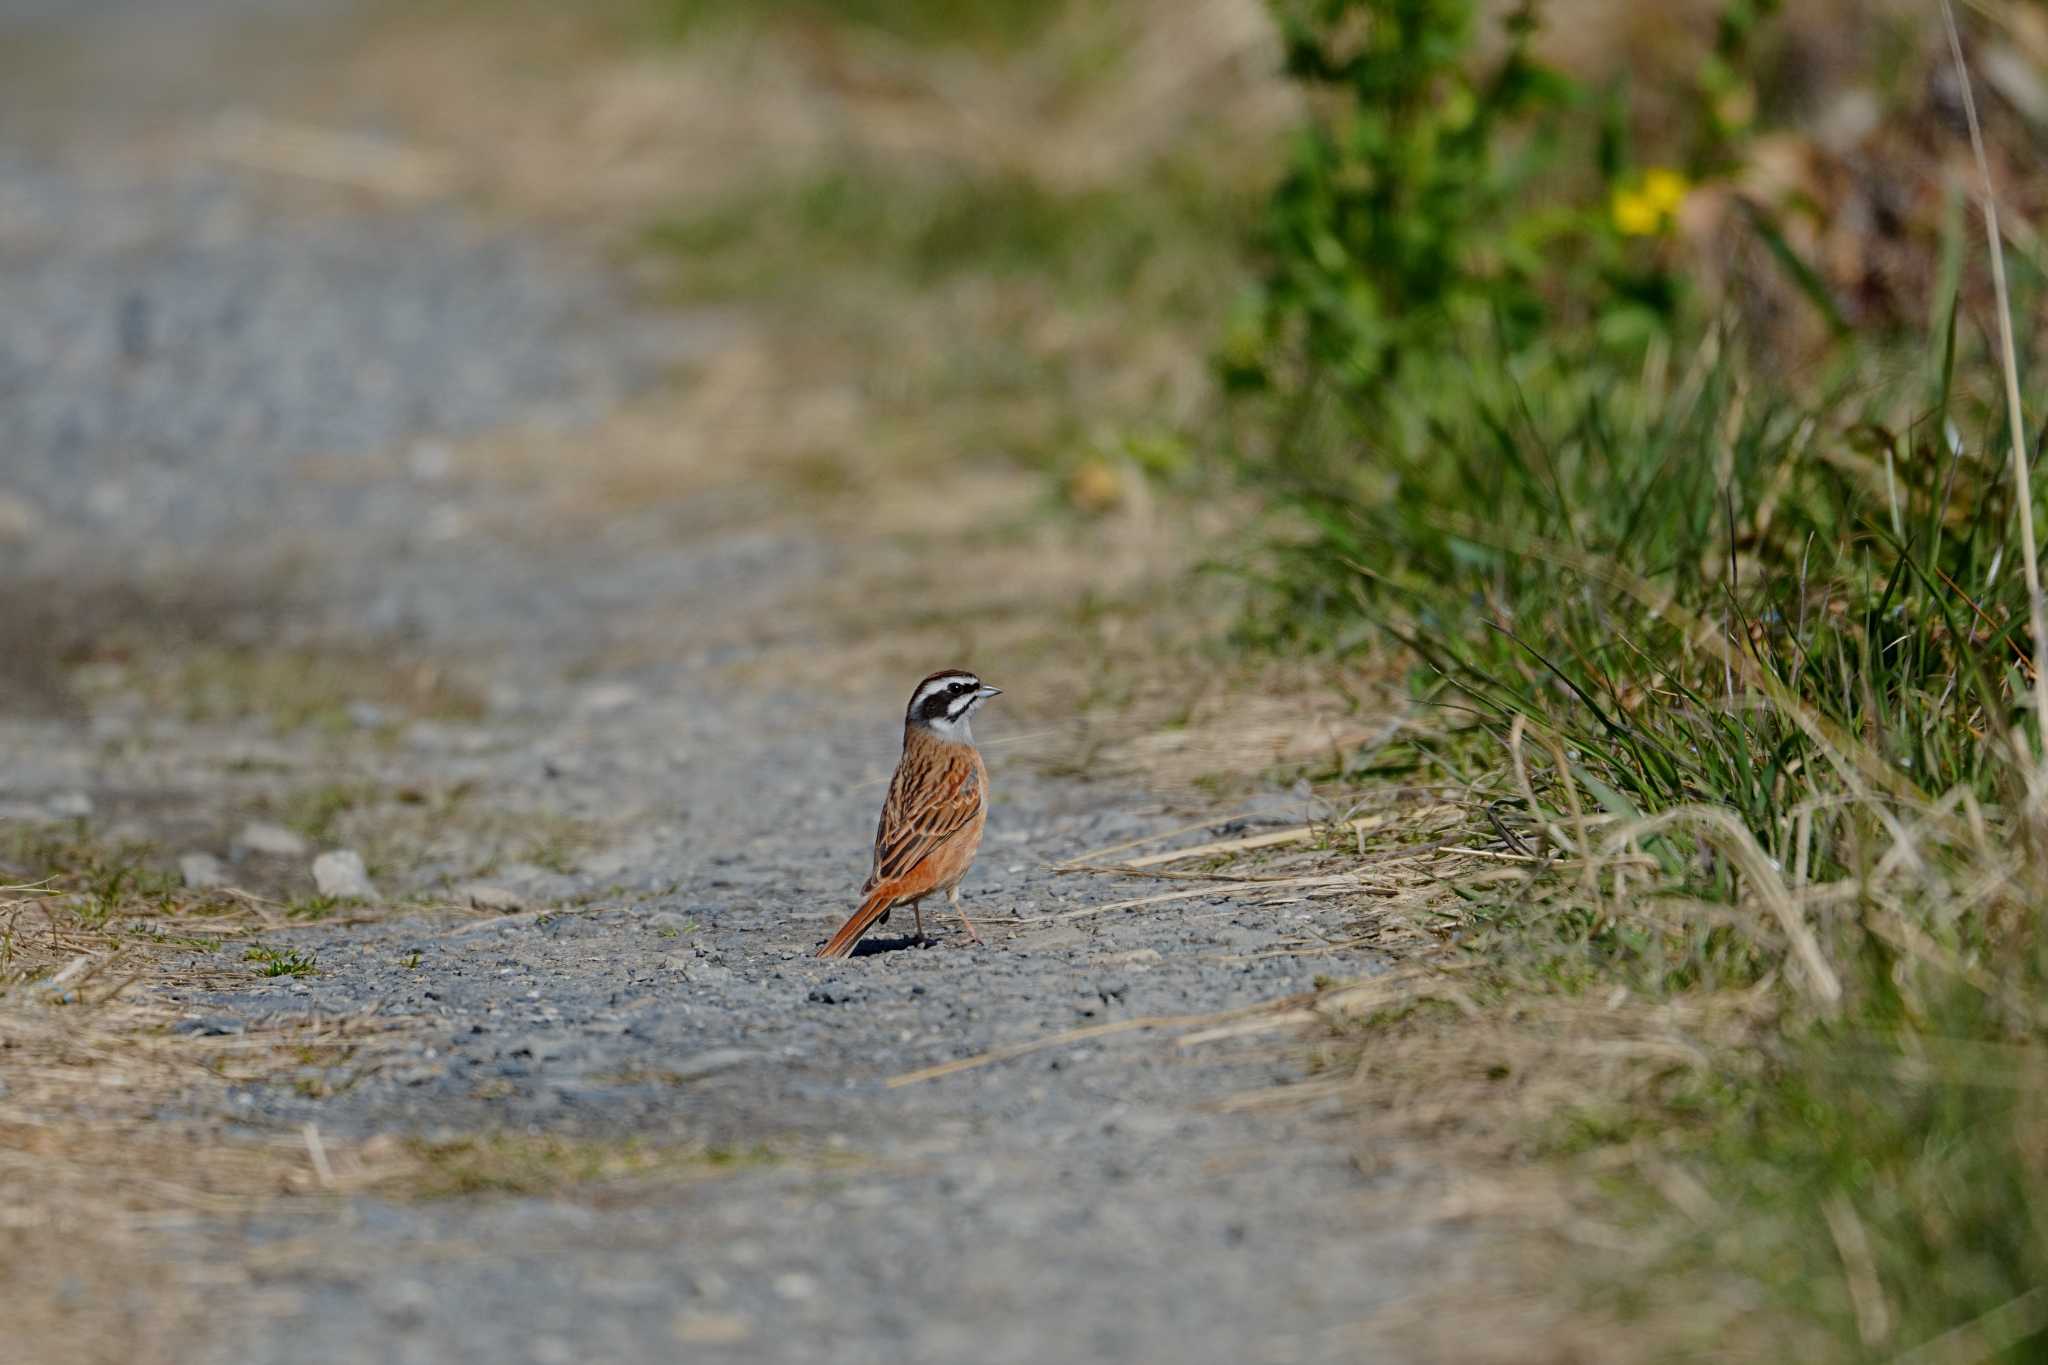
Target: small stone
point(273, 840)
point(202, 871)
point(367, 715)
point(341, 874)
point(71, 805)
point(497, 899)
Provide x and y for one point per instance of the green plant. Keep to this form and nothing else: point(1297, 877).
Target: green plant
point(314, 907)
point(1452, 198)
point(1390, 222)
point(281, 961)
point(1739, 665)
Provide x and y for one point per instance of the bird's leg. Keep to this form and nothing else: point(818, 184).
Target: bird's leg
point(920, 920)
point(953, 895)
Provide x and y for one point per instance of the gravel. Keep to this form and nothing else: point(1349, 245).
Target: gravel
point(204, 379)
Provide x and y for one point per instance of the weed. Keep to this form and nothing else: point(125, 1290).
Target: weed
point(281, 961)
point(315, 907)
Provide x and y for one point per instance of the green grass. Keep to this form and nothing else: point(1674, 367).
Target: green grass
point(281, 961)
point(316, 907)
point(1701, 642)
point(1742, 656)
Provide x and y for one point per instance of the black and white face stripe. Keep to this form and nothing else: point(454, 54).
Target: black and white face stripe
point(944, 700)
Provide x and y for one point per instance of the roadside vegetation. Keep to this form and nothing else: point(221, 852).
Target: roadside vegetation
point(1657, 393)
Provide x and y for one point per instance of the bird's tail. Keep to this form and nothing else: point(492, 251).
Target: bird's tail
point(873, 908)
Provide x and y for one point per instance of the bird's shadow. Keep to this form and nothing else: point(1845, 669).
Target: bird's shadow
point(868, 947)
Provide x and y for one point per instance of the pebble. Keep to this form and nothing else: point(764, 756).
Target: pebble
point(273, 840)
point(341, 873)
point(483, 896)
point(71, 805)
point(202, 871)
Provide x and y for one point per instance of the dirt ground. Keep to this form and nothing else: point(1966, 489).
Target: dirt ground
point(351, 503)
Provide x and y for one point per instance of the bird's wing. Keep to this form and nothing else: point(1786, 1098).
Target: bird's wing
point(932, 798)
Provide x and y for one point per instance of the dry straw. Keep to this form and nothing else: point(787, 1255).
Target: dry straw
point(2016, 418)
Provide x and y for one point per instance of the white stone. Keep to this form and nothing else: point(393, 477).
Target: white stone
point(275, 840)
point(341, 874)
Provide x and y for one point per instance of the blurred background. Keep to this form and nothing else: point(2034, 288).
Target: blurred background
point(1601, 410)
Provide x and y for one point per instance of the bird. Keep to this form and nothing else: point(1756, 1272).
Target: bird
point(932, 819)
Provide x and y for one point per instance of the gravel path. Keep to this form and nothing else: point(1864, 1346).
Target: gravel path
point(187, 355)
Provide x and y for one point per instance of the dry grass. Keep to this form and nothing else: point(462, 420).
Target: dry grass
point(99, 1165)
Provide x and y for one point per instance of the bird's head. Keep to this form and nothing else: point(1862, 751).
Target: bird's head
point(943, 702)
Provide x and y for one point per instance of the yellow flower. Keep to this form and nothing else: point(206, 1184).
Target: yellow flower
point(1666, 189)
point(1650, 206)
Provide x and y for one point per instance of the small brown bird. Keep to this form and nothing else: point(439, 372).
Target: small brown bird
point(938, 802)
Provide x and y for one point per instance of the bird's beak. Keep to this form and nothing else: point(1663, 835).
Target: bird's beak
point(986, 692)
